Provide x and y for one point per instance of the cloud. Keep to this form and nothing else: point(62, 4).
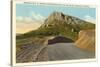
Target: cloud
point(89, 19)
point(33, 17)
point(36, 16)
point(24, 19)
point(25, 24)
point(24, 27)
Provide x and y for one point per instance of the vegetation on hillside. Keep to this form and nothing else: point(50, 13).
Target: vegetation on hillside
point(59, 24)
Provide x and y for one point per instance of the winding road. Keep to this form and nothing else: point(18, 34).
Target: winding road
point(53, 52)
point(67, 51)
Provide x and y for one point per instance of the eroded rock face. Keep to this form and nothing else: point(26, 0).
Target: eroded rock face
point(86, 40)
point(58, 18)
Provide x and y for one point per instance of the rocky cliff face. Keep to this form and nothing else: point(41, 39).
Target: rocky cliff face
point(65, 25)
point(60, 20)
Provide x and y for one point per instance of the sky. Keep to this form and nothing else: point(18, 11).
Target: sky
point(33, 15)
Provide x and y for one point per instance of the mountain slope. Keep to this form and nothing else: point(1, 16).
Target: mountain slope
point(59, 24)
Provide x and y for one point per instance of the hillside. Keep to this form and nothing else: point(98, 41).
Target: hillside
point(60, 24)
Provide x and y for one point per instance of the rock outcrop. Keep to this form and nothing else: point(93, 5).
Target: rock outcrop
point(86, 40)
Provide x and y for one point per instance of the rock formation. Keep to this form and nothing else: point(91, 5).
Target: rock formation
point(86, 40)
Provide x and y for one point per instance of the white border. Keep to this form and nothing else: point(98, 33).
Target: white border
point(13, 61)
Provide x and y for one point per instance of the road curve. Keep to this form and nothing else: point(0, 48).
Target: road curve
point(67, 51)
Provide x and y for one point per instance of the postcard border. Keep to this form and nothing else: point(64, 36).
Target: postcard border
point(13, 49)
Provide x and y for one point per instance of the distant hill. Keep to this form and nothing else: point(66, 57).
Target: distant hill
point(60, 24)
